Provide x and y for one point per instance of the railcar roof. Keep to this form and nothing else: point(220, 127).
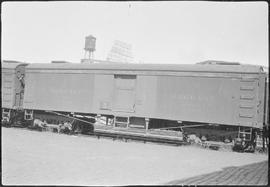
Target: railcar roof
point(148, 67)
point(10, 64)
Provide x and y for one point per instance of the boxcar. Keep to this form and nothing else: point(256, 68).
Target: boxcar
point(151, 96)
point(13, 73)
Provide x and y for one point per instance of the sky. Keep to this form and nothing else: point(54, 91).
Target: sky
point(176, 32)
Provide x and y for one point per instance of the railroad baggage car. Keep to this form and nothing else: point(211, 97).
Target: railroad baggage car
point(150, 96)
point(12, 89)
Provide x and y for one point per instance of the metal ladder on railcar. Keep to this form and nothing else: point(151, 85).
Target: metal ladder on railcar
point(245, 133)
point(6, 115)
point(28, 114)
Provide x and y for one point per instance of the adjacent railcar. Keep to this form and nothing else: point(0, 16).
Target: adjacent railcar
point(148, 96)
point(13, 73)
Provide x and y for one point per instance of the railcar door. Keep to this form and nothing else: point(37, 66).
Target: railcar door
point(124, 93)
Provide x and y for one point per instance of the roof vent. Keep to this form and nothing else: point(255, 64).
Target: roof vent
point(215, 62)
point(59, 61)
point(11, 61)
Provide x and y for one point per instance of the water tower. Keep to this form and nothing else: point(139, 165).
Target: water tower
point(90, 47)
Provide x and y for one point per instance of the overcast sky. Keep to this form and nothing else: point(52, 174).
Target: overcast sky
point(160, 32)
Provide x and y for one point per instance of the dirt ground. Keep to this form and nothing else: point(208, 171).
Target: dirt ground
point(46, 158)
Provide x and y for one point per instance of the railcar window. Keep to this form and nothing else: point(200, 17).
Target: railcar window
point(125, 76)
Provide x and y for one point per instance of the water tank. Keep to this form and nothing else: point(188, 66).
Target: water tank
point(90, 43)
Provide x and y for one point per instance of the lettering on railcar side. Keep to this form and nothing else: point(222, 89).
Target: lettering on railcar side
point(193, 97)
point(68, 91)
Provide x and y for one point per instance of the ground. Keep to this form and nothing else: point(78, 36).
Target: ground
point(46, 158)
